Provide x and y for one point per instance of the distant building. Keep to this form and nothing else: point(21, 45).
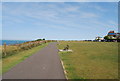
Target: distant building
point(111, 33)
point(99, 39)
point(112, 36)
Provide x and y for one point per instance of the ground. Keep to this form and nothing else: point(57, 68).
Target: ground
point(44, 64)
point(11, 61)
point(90, 60)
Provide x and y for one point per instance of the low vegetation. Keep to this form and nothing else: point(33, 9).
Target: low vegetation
point(90, 60)
point(8, 50)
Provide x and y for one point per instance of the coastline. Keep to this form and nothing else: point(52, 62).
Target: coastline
point(12, 42)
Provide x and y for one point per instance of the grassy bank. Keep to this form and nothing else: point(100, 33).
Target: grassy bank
point(90, 60)
point(0, 60)
point(11, 61)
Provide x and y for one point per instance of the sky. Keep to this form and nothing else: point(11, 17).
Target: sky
point(0, 20)
point(58, 20)
point(60, 0)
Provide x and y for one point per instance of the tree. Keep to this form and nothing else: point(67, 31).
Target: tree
point(106, 37)
point(38, 40)
point(43, 38)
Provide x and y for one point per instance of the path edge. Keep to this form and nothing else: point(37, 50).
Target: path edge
point(65, 72)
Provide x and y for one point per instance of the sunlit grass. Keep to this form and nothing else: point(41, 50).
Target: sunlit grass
point(91, 60)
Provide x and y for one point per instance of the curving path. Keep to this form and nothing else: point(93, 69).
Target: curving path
point(45, 64)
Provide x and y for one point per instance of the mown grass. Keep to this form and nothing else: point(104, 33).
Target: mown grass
point(90, 60)
point(11, 61)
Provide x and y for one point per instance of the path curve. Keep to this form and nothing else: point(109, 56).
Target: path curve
point(45, 64)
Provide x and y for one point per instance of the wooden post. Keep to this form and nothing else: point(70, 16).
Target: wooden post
point(17, 44)
point(5, 49)
point(18, 47)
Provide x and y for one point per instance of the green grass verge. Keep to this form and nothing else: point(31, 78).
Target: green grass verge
point(90, 60)
point(0, 60)
point(11, 61)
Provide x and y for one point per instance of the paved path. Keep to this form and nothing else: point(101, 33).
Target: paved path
point(43, 65)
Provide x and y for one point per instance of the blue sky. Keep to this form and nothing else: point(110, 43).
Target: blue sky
point(60, 0)
point(58, 20)
point(0, 20)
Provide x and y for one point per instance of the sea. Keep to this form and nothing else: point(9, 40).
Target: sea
point(11, 42)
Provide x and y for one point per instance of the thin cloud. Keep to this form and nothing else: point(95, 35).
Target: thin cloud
point(74, 18)
point(89, 15)
point(53, 13)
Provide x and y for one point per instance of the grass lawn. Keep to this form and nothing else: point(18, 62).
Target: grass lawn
point(11, 61)
point(90, 60)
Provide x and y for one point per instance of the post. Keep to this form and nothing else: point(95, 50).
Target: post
point(5, 49)
point(18, 47)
